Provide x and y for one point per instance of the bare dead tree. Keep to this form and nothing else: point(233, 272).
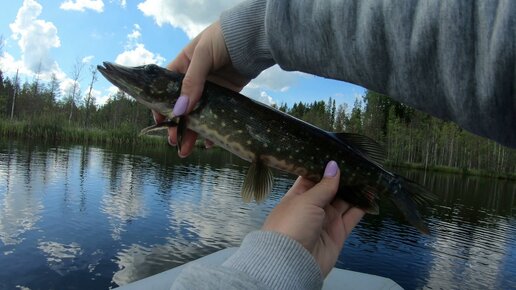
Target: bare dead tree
point(89, 97)
point(14, 94)
point(74, 92)
point(54, 87)
point(37, 74)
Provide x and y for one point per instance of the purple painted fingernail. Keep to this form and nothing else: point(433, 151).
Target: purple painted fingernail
point(180, 106)
point(331, 169)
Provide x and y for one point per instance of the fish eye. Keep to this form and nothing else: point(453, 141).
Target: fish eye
point(151, 68)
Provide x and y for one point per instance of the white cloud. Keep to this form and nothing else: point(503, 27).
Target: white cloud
point(135, 52)
point(134, 36)
point(101, 97)
point(97, 95)
point(193, 16)
point(139, 55)
point(10, 65)
point(190, 16)
point(66, 86)
point(112, 90)
point(266, 98)
point(36, 38)
point(258, 94)
point(274, 78)
point(87, 59)
point(82, 5)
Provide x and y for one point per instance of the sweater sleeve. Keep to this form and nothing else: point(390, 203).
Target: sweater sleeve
point(452, 59)
point(265, 260)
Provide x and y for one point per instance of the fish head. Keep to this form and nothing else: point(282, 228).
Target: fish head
point(155, 87)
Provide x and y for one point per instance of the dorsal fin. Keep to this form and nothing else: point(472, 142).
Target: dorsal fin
point(365, 145)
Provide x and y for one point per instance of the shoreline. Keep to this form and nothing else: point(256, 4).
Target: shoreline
point(128, 135)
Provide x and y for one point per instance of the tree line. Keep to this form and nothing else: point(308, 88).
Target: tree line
point(39, 102)
point(409, 136)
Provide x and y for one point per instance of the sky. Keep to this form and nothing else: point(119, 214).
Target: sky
point(51, 37)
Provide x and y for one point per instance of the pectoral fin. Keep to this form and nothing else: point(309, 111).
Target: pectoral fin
point(362, 196)
point(181, 130)
point(159, 126)
point(258, 182)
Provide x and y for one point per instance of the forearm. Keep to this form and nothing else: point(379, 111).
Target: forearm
point(452, 59)
point(265, 260)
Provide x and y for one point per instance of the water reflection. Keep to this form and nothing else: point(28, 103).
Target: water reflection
point(471, 246)
point(473, 255)
point(61, 257)
point(205, 214)
point(123, 200)
point(89, 217)
point(20, 203)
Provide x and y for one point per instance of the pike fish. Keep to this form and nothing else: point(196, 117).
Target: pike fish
point(269, 138)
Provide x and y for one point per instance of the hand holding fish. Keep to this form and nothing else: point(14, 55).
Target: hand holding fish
point(310, 214)
point(204, 58)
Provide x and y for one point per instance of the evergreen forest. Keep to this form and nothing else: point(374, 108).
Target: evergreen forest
point(38, 110)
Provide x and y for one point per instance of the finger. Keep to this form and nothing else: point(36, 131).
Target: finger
point(300, 186)
point(158, 118)
point(172, 136)
point(351, 218)
point(231, 81)
point(208, 144)
point(180, 63)
point(340, 206)
point(187, 143)
point(195, 77)
point(324, 191)
point(182, 60)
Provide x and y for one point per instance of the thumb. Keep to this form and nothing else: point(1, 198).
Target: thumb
point(324, 191)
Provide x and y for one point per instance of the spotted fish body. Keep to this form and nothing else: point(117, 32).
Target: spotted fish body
point(267, 137)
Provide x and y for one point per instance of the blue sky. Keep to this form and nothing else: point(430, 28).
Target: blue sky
point(54, 35)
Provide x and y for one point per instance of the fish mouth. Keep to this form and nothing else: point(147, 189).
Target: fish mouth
point(121, 76)
point(151, 85)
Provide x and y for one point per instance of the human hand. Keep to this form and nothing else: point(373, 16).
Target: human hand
point(309, 214)
point(204, 58)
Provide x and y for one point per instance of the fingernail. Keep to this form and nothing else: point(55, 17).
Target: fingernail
point(331, 169)
point(180, 106)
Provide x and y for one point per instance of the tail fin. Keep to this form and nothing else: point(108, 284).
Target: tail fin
point(407, 197)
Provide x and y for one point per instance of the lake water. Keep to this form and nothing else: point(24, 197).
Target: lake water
point(86, 217)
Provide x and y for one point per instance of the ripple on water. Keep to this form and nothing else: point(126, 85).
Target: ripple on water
point(84, 213)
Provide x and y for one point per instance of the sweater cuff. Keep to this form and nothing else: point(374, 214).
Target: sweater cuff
point(243, 27)
point(277, 261)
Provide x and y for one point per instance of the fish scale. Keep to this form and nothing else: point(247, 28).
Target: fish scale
point(240, 132)
point(269, 138)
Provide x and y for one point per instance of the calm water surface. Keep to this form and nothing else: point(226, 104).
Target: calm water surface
point(85, 217)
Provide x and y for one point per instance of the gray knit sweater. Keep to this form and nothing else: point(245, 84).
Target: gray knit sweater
point(454, 59)
point(265, 260)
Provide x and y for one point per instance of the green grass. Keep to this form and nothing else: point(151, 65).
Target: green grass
point(50, 131)
point(456, 170)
